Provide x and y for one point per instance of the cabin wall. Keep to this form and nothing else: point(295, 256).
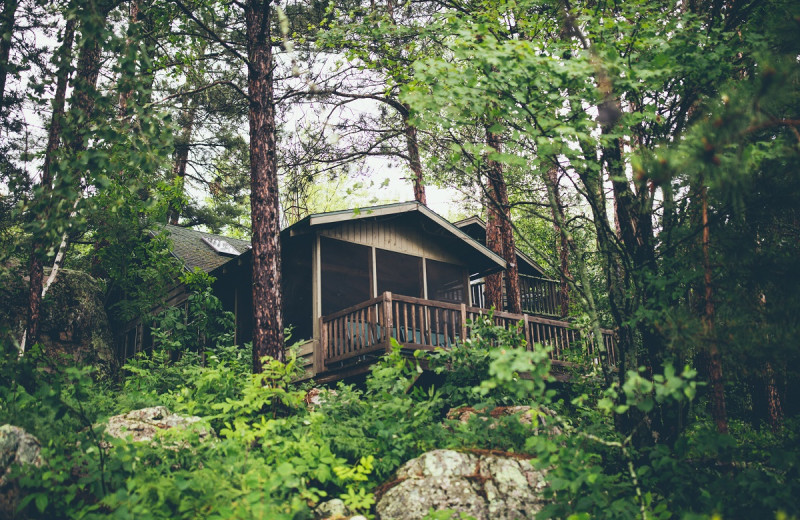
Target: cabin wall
point(397, 235)
point(135, 336)
point(233, 288)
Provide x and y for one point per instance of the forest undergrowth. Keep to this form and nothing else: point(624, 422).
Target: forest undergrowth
point(273, 456)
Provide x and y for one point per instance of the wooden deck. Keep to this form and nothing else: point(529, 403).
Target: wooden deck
point(354, 337)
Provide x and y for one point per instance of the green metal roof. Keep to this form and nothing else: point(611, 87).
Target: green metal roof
point(188, 246)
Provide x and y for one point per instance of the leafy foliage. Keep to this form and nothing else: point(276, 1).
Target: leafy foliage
point(274, 456)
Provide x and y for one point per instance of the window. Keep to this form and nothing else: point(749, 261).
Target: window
point(398, 273)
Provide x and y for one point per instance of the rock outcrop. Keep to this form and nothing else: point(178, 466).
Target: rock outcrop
point(74, 321)
point(146, 423)
point(17, 448)
point(484, 486)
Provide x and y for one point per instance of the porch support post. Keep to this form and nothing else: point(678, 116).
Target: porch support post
point(424, 278)
point(316, 307)
point(321, 348)
point(467, 289)
point(373, 273)
point(387, 318)
point(463, 323)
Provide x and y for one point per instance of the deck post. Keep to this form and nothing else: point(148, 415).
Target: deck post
point(463, 323)
point(387, 315)
point(321, 348)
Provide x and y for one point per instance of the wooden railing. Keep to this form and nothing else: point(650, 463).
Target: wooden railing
point(356, 331)
point(365, 330)
point(539, 296)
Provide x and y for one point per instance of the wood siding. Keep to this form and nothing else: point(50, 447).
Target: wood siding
point(393, 236)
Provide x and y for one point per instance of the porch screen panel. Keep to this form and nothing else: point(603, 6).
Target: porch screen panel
point(345, 274)
point(398, 273)
point(445, 282)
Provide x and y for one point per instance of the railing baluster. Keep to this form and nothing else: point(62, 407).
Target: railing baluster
point(413, 331)
point(405, 322)
point(436, 333)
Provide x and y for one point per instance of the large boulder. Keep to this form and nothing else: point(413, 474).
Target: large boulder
point(146, 423)
point(74, 322)
point(17, 448)
point(482, 485)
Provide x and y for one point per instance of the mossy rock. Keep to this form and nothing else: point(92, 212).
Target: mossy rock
point(74, 321)
point(17, 448)
point(480, 485)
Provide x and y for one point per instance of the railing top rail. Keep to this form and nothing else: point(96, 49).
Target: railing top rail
point(359, 306)
point(429, 303)
point(541, 278)
point(450, 306)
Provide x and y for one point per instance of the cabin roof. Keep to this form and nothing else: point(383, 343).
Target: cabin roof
point(475, 227)
point(204, 250)
point(489, 261)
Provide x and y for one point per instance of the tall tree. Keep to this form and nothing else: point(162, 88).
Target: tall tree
point(500, 217)
point(641, 87)
point(562, 245)
point(382, 43)
point(265, 212)
point(7, 26)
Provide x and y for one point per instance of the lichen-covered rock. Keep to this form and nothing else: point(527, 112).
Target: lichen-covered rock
point(146, 423)
point(334, 509)
point(74, 322)
point(484, 486)
point(17, 448)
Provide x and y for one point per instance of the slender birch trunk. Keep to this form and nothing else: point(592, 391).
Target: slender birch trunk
point(39, 251)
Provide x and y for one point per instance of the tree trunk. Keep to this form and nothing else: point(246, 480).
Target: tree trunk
point(182, 158)
point(265, 213)
point(85, 81)
point(494, 241)
point(39, 252)
point(125, 87)
point(499, 198)
point(718, 411)
point(562, 244)
point(7, 23)
point(774, 408)
point(414, 161)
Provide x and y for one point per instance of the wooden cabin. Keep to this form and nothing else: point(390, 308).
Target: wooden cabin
point(353, 280)
point(193, 249)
